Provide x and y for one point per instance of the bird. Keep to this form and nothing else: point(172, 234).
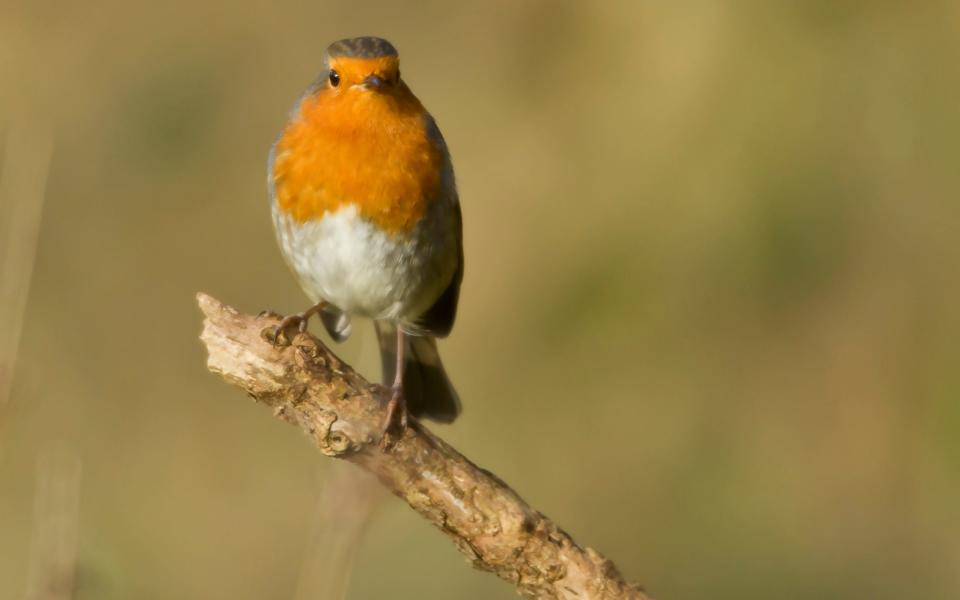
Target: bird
point(367, 216)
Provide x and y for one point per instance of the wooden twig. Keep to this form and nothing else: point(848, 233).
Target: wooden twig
point(308, 385)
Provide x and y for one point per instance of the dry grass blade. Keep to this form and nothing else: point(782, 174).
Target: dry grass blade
point(51, 573)
point(22, 187)
point(347, 501)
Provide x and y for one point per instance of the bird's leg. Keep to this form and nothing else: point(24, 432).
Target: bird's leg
point(299, 319)
point(397, 406)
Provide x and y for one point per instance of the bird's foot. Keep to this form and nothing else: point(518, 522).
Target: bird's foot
point(278, 335)
point(397, 418)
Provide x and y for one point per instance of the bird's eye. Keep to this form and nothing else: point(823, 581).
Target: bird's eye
point(334, 78)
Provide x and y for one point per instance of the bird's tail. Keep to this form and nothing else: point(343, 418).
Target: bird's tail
point(426, 387)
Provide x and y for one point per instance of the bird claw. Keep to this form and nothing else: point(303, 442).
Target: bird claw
point(280, 336)
point(396, 420)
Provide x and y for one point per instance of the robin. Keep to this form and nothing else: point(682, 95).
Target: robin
point(367, 216)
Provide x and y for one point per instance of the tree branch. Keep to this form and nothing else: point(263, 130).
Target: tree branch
point(308, 385)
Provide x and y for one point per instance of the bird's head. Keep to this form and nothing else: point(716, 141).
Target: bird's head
point(359, 135)
point(363, 64)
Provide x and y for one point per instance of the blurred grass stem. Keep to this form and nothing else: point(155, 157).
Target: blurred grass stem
point(23, 180)
point(51, 573)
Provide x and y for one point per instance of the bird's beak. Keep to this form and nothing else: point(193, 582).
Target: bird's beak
point(373, 82)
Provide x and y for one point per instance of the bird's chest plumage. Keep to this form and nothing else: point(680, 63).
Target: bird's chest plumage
point(367, 150)
point(346, 260)
point(361, 208)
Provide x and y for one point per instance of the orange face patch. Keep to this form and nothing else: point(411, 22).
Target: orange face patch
point(355, 70)
point(352, 145)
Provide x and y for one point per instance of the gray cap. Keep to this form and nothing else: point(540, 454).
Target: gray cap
point(361, 47)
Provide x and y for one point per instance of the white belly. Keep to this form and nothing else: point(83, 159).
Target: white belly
point(345, 260)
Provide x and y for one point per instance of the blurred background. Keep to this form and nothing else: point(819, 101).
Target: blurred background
point(709, 322)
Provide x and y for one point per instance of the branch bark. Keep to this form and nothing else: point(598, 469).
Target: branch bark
point(309, 386)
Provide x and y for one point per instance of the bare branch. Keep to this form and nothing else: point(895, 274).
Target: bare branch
point(308, 385)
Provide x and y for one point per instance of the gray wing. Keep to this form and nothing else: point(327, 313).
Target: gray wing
point(438, 319)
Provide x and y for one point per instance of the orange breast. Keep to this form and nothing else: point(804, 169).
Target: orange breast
point(358, 147)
